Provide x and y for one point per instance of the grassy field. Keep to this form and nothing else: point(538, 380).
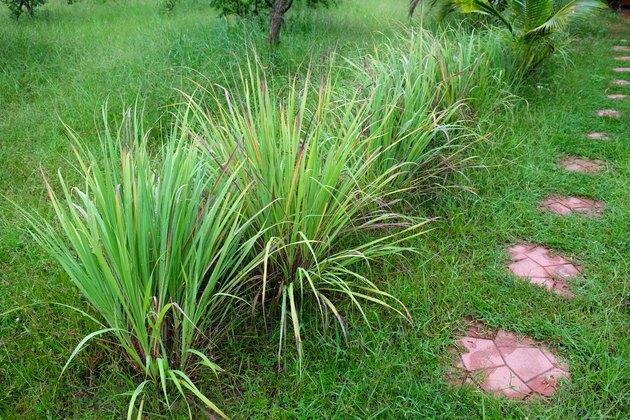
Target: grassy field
point(63, 65)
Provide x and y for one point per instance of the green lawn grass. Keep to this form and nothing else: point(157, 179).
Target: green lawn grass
point(62, 65)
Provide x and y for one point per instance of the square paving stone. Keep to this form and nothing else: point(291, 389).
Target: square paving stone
point(503, 381)
point(526, 362)
point(481, 354)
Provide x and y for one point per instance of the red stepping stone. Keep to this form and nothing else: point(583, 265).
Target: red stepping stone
point(621, 82)
point(481, 354)
point(597, 135)
point(621, 48)
point(566, 205)
point(616, 96)
point(623, 58)
point(621, 69)
point(577, 164)
point(608, 113)
point(503, 363)
point(542, 267)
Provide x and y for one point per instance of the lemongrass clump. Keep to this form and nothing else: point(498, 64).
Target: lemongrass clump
point(157, 245)
point(408, 101)
point(419, 90)
point(306, 160)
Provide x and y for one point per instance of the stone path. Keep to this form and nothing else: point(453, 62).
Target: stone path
point(564, 205)
point(607, 112)
point(597, 135)
point(542, 267)
point(578, 164)
point(503, 363)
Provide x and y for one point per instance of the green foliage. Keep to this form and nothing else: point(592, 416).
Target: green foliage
point(296, 179)
point(420, 86)
point(245, 8)
point(312, 194)
point(17, 7)
point(241, 8)
point(532, 23)
point(168, 5)
point(459, 270)
point(156, 245)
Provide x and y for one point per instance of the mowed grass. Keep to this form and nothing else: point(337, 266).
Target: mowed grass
point(64, 64)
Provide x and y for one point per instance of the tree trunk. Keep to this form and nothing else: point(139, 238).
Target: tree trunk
point(31, 10)
point(20, 9)
point(412, 7)
point(277, 19)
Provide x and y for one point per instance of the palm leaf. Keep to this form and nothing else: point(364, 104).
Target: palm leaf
point(537, 12)
point(472, 6)
point(572, 10)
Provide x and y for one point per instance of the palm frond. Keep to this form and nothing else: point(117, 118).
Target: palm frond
point(572, 10)
point(483, 7)
point(536, 12)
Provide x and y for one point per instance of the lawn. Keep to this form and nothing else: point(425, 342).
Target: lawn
point(63, 65)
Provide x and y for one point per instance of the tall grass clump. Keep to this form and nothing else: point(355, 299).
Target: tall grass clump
point(305, 158)
point(158, 245)
point(421, 91)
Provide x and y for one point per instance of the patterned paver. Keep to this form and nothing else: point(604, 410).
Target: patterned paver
point(621, 69)
point(597, 135)
point(623, 58)
point(503, 363)
point(607, 112)
point(621, 48)
point(578, 164)
point(621, 82)
point(566, 205)
point(542, 267)
point(616, 96)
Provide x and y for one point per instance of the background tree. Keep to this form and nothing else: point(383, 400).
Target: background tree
point(17, 7)
point(275, 8)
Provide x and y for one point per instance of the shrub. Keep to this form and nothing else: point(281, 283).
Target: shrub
point(17, 7)
point(156, 244)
